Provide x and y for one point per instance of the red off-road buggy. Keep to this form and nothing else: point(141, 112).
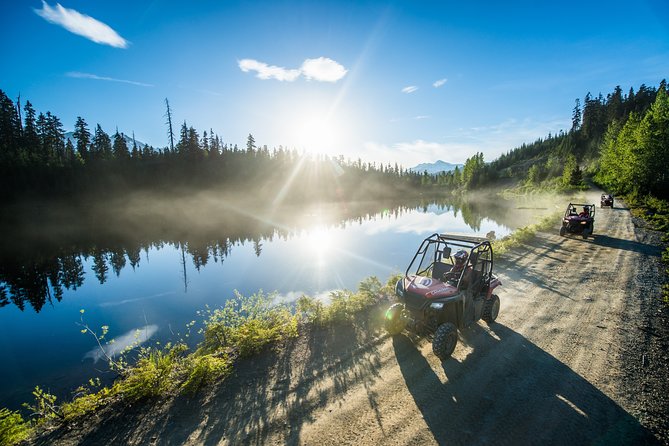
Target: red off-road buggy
point(450, 288)
point(576, 222)
point(606, 200)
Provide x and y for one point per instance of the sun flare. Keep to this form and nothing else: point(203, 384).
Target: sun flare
point(315, 127)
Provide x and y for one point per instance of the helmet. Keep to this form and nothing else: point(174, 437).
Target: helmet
point(460, 257)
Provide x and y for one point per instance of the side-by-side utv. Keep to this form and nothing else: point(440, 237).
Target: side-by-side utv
point(447, 286)
point(606, 200)
point(575, 222)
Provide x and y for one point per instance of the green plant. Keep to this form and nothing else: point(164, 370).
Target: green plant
point(245, 325)
point(204, 369)
point(45, 406)
point(13, 428)
point(523, 235)
point(156, 372)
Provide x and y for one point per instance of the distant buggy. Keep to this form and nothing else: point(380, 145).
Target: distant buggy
point(448, 285)
point(576, 222)
point(606, 200)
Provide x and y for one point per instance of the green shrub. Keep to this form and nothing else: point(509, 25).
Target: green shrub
point(247, 324)
point(524, 234)
point(205, 369)
point(156, 372)
point(86, 400)
point(344, 304)
point(12, 427)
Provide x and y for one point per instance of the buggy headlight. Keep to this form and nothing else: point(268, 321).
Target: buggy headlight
point(437, 305)
point(399, 288)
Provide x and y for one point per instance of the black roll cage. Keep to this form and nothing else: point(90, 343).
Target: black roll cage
point(475, 245)
point(573, 206)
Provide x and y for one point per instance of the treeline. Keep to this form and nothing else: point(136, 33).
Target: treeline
point(36, 159)
point(621, 140)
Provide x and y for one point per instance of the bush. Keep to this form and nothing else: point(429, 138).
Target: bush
point(523, 235)
point(344, 304)
point(12, 427)
point(204, 369)
point(156, 372)
point(245, 325)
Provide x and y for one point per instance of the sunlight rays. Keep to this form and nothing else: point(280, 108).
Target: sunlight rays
point(289, 181)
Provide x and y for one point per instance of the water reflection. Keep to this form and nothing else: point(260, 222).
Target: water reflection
point(42, 257)
point(116, 346)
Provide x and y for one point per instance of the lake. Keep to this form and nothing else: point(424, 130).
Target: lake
point(150, 264)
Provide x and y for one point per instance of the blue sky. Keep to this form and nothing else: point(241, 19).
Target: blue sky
point(405, 82)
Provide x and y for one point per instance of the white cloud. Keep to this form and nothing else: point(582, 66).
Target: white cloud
point(322, 69)
point(78, 75)
point(268, 71)
point(421, 117)
point(81, 24)
point(439, 83)
point(409, 89)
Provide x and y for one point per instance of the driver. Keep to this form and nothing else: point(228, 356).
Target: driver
point(584, 213)
point(459, 260)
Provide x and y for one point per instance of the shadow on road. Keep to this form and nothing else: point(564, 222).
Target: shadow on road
point(627, 245)
point(510, 391)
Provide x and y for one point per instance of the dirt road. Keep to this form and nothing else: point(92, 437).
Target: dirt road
point(560, 366)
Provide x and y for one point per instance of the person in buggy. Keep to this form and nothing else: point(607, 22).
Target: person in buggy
point(459, 262)
point(584, 213)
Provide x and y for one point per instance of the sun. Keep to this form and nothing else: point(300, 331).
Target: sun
point(316, 133)
point(314, 126)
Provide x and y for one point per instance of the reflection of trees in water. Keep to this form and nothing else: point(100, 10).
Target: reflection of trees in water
point(37, 273)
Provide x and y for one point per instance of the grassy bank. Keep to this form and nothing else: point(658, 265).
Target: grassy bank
point(243, 327)
point(523, 235)
point(656, 213)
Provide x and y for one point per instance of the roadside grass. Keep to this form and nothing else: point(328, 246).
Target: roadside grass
point(525, 234)
point(243, 327)
point(655, 211)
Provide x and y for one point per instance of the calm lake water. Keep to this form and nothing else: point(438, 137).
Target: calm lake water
point(152, 271)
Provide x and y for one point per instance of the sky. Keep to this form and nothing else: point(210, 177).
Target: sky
point(402, 82)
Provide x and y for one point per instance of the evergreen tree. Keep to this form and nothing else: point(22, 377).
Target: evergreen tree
point(120, 147)
point(572, 174)
point(576, 116)
point(101, 146)
point(10, 130)
point(31, 142)
point(83, 137)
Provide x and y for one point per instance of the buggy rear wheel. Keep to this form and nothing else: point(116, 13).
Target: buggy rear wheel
point(444, 341)
point(491, 309)
point(394, 323)
point(562, 230)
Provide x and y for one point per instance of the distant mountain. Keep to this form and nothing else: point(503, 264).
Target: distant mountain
point(128, 140)
point(435, 168)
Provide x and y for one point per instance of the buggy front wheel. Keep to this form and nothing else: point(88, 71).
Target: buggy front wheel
point(394, 322)
point(490, 309)
point(562, 230)
point(445, 340)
